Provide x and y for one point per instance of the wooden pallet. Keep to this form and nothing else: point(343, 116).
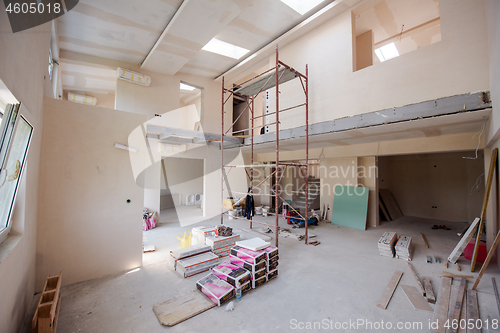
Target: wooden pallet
point(47, 310)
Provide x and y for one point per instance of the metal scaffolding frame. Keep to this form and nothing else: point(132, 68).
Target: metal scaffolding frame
point(248, 91)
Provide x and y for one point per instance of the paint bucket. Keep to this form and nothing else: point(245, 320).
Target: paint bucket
point(258, 210)
point(185, 240)
point(265, 210)
point(285, 211)
point(232, 214)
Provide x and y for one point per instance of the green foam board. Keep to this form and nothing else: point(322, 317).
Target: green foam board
point(350, 206)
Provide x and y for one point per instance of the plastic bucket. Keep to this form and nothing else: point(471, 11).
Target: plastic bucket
point(258, 210)
point(265, 210)
point(232, 214)
point(185, 240)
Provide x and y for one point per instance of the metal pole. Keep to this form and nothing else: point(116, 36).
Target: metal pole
point(251, 153)
point(307, 152)
point(222, 160)
point(276, 181)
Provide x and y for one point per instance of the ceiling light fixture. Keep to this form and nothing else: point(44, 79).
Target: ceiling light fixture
point(301, 6)
point(187, 87)
point(225, 49)
point(387, 52)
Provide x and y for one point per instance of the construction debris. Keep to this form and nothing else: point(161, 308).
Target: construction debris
point(225, 231)
point(429, 260)
point(389, 290)
point(496, 293)
point(425, 241)
point(386, 244)
point(418, 280)
point(437, 259)
point(404, 248)
point(429, 293)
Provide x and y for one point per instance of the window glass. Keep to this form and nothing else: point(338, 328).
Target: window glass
point(10, 174)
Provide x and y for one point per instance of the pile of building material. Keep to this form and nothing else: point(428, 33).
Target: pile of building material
point(196, 264)
point(221, 245)
point(386, 244)
point(404, 248)
point(247, 270)
point(199, 234)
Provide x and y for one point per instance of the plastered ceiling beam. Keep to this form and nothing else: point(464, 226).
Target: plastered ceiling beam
point(194, 24)
point(157, 132)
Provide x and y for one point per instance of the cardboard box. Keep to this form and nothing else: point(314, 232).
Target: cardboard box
point(186, 267)
point(234, 275)
point(272, 274)
point(252, 257)
point(243, 264)
point(190, 251)
point(217, 290)
point(216, 242)
point(258, 282)
point(259, 274)
point(198, 234)
point(244, 288)
point(272, 267)
point(271, 251)
point(273, 260)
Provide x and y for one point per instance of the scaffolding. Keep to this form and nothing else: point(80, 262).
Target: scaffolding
point(248, 91)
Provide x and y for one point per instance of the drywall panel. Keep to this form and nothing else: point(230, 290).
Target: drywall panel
point(437, 186)
point(86, 227)
point(23, 67)
point(368, 177)
point(350, 206)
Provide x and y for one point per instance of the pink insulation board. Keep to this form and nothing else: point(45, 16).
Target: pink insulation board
point(217, 290)
point(248, 266)
point(232, 274)
point(252, 257)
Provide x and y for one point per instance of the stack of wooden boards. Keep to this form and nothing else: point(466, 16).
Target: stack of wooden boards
point(404, 248)
point(47, 311)
point(247, 270)
point(457, 307)
point(386, 244)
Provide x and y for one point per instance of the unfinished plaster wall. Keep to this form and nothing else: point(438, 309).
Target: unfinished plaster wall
point(24, 65)
point(457, 64)
point(437, 186)
point(86, 227)
point(185, 176)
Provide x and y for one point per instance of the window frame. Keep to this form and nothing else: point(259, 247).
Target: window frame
point(7, 146)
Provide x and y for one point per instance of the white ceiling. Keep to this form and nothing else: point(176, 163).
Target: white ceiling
point(174, 31)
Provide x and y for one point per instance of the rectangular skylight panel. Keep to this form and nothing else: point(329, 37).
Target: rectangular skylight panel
point(187, 87)
point(302, 6)
point(225, 49)
point(387, 52)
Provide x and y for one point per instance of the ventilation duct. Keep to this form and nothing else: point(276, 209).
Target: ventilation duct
point(82, 99)
point(133, 77)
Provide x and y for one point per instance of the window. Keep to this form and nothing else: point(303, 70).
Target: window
point(15, 137)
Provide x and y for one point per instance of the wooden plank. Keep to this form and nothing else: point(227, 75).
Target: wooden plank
point(446, 265)
point(461, 276)
point(459, 249)
point(495, 290)
point(462, 321)
point(390, 204)
point(56, 299)
point(451, 307)
point(487, 261)
point(441, 312)
point(425, 241)
point(456, 306)
point(416, 300)
point(429, 293)
point(458, 267)
point(493, 164)
point(389, 290)
point(384, 210)
point(182, 307)
point(472, 311)
point(35, 317)
point(418, 280)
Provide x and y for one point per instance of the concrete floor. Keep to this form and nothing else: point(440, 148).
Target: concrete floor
point(340, 280)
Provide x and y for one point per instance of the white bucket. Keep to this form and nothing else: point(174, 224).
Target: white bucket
point(258, 210)
point(232, 214)
point(265, 210)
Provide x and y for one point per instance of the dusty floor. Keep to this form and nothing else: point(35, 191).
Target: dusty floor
point(336, 283)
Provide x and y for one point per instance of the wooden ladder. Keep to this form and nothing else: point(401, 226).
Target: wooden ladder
point(47, 309)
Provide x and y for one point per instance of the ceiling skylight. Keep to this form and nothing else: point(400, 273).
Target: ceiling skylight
point(302, 6)
point(225, 49)
point(387, 52)
point(187, 87)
